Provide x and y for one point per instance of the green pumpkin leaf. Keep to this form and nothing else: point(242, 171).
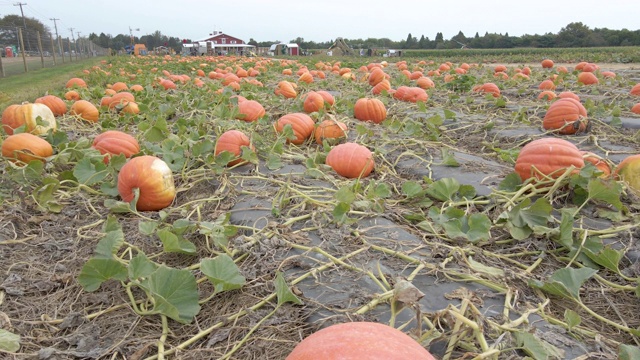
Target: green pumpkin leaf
point(565, 282)
point(412, 189)
point(448, 158)
point(345, 195)
point(174, 293)
point(9, 342)
point(511, 182)
point(605, 191)
point(141, 267)
point(443, 189)
point(174, 243)
point(96, 271)
point(571, 318)
point(628, 352)
point(537, 348)
point(606, 257)
point(90, 171)
point(223, 273)
point(283, 292)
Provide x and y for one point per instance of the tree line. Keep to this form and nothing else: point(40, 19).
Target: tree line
point(575, 34)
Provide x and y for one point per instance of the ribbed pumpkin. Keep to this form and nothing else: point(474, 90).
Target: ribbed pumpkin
point(359, 340)
point(376, 76)
point(425, 83)
point(411, 94)
point(233, 141)
point(547, 95)
point(367, 109)
point(488, 88)
point(568, 94)
point(350, 160)
point(26, 147)
point(301, 124)
point(547, 85)
point(306, 77)
point(331, 130)
point(383, 85)
point(37, 118)
point(635, 90)
point(154, 180)
point(628, 170)
point(121, 98)
point(567, 115)
point(250, 110)
point(76, 82)
point(313, 102)
point(72, 95)
point(597, 161)
point(85, 110)
point(114, 142)
point(587, 78)
point(119, 86)
point(58, 106)
point(286, 89)
point(328, 98)
point(547, 157)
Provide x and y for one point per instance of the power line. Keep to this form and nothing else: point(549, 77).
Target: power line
point(24, 22)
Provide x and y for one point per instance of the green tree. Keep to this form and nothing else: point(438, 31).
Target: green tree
point(573, 35)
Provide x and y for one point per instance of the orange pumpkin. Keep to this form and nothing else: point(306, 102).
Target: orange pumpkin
point(233, 141)
point(136, 88)
point(330, 130)
point(153, 179)
point(286, 89)
point(367, 109)
point(411, 94)
point(58, 106)
point(547, 95)
point(547, 157)
point(425, 83)
point(119, 86)
point(383, 85)
point(636, 108)
point(313, 102)
point(359, 340)
point(328, 98)
point(85, 110)
point(114, 142)
point(76, 82)
point(250, 110)
point(301, 124)
point(597, 161)
point(635, 90)
point(72, 95)
point(488, 88)
point(26, 147)
point(500, 68)
point(568, 94)
point(306, 78)
point(566, 115)
point(587, 78)
point(351, 160)
point(120, 99)
point(547, 64)
point(36, 118)
point(547, 85)
point(376, 76)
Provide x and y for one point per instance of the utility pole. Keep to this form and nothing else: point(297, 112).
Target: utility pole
point(80, 41)
point(24, 22)
point(74, 44)
point(57, 37)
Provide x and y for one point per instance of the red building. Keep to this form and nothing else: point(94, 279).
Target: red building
point(223, 44)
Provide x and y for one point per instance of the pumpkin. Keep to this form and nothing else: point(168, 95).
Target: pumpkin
point(119, 86)
point(562, 69)
point(568, 94)
point(500, 68)
point(547, 63)
point(313, 102)
point(250, 110)
point(37, 118)
point(153, 179)
point(227, 79)
point(72, 95)
point(85, 110)
point(608, 74)
point(167, 84)
point(383, 85)
point(635, 90)
point(628, 170)
point(136, 88)
point(587, 78)
point(547, 95)
point(567, 115)
point(114, 142)
point(359, 340)
point(488, 88)
point(301, 124)
point(376, 76)
point(121, 98)
point(76, 82)
point(350, 160)
point(411, 94)
point(425, 83)
point(331, 130)
point(597, 161)
point(580, 65)
point(129, 107)
point(636, 108)
point(233, 141)
point(58, 106)
point(328, 98)
point(26, 147)
point(547, 85)
point(547, 157)
point(286, 89)
point(367, 109)
point(306, 77)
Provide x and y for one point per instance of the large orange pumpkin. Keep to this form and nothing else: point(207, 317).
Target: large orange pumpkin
point(286, 89)
point(425, 82)
point(121, 98)
point(597, 161)
point(587, 78)
point(313, 102)
point(351, 160)
point(301, 124)
point(411, 94)
point(58, 106)
point(488, 88)
point(359, 340)
point(547, 157)
point(250, 110)
point(75, 82)
point(26, 147)
point(233, 141)
point(566, 115)
point(367, 109)
point(383, 85)
point(36, 118)
point(85, 110)
point(114, 142)
point(331, 130)
point(547, 64)
point(568, 94)
point(328, 98)
point(376, 76)
point(153, 179)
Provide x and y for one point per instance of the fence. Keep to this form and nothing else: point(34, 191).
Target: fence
point(22, 51)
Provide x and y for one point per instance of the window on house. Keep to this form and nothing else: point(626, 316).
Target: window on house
point(233, 41)
point(224, 40)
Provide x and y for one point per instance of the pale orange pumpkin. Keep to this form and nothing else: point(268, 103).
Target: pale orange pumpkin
point(250, 110)
point(331, 130)
point(26, 147)
point(153, 179)
point(286, 89)
point(85, 110)
point(36, 118)
point(547, 64)
point(587, 78)
point(76, 82)
point(58, 106)
point(114, 142)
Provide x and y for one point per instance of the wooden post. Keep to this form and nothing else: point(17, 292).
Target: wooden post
point(1, 67)
point(24, 54)
point(61, 48)
point(70, 54)
point(53, 50)
point(40, 48)
point(75, 44)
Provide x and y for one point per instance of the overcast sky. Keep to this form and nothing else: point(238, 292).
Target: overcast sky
point(285, 20)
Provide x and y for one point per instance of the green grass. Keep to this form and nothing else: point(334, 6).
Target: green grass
point(35, 83)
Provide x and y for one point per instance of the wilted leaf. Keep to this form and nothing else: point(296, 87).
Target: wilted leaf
point(537, 348)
